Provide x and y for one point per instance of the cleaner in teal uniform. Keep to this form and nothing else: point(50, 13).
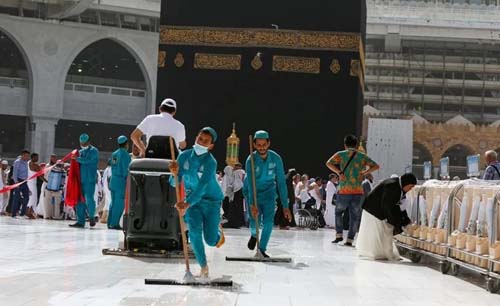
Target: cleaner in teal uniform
point(88, 160)
point(120, 161)
point(269, 174)
point(197, 167)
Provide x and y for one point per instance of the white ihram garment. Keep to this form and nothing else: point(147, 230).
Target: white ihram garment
point(32, 187)
point(375, 239)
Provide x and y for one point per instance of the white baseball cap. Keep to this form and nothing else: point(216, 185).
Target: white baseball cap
point(170, 103)
point(5, 162)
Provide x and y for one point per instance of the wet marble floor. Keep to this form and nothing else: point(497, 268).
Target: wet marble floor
point(48, 263)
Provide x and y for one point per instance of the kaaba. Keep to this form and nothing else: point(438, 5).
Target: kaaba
point(293, 68)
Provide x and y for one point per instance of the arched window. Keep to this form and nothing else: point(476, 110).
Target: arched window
point(107, 63)
point(420, 154)
point(14, 87)
point(105, 93)
point(458, 155)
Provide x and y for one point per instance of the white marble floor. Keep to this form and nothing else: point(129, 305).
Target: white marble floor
point(48, 263)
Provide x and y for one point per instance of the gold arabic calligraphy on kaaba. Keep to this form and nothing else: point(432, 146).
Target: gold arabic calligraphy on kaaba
point(217, 61)
point(231, 37)
point(296, 64)
point(162, 56)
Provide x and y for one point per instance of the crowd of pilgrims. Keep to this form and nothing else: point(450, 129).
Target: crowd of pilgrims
point(47, 201)
point(47, 193)
point(316, 194)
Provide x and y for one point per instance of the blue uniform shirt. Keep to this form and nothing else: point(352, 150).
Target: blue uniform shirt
point(268, 173)
point(199, 176)
point(88, 160)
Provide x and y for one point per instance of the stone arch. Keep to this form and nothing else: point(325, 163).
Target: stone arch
point(421, 154)
point(457, 154)
point(16, 127)
point(27, 61)
point(133, 49)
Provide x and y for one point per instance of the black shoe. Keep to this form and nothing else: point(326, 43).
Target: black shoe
point(77, 225)
point(252, 242)
point(92, 222)
point(348, 243)
point(264, 254)
point(337, 240)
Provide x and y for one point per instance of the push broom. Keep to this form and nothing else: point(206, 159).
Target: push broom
point(189, 279)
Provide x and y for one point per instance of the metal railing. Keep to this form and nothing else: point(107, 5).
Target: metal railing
point(13, 82)
point(119, 91)
point(438, 13)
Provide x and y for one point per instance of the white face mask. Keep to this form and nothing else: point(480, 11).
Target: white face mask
point(199, 149)
point(84, 147)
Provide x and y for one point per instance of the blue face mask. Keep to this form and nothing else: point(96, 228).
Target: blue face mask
point(199, 149)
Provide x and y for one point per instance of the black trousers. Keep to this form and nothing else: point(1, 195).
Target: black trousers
point(279, 218)
point(233, 211)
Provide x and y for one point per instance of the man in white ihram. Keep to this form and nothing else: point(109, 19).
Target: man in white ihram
point(162, 124)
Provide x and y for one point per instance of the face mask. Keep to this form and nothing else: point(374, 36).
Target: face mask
point(84, 147)
point(199, 149)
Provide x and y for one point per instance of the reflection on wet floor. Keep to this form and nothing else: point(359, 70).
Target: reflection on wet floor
point(47, 263)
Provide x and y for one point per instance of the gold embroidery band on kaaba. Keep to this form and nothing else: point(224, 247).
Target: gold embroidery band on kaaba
point(357, 71)
point(217, 61)
point(271, 38)
point(296, 64)
point(362, 54)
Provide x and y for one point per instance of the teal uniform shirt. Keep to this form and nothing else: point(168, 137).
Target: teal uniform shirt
point(204, 196)
point(269, 173)
point(199, 175)
point(120, 161)
point(88, 160)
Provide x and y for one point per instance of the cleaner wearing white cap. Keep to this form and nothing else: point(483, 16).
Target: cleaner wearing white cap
point(162, 124)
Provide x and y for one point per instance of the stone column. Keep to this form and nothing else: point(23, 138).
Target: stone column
point(42, 136)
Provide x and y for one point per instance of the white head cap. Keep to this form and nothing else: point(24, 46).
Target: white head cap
point(170, 103)
point(5, 162)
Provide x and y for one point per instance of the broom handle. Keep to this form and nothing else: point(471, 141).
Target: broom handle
point(252, 166)
point(181, 219)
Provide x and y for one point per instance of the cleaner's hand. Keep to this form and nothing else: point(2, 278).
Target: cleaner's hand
point(255, 211)
point(288, 214)
point(182, 207)
point(174, 168)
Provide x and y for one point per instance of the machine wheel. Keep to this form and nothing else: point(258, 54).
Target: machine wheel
point(455, 269)
point(402, 251)
point(444, 267)
point(492, 285)
point(415, 257)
